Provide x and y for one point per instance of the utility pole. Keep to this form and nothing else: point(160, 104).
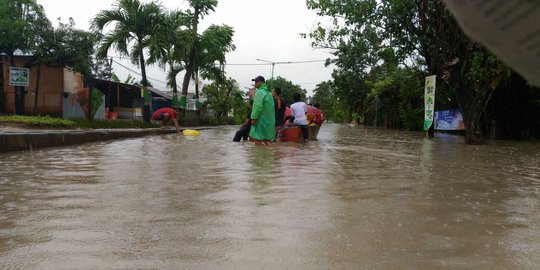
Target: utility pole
point(273, 64)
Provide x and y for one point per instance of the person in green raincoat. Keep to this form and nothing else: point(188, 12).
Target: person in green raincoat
point(262, 114)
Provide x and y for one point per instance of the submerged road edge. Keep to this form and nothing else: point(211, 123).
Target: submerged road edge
point(27, 140)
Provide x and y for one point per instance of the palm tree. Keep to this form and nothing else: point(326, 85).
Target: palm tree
point(134, 24)
point(168, 48)
point(214, 43)
point(200, 9)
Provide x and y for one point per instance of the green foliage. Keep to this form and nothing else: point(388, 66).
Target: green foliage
point(23, 25)
point(70, 47)
point(324, 96)
point(355, 117)
point(192, 120)
point(129, 80)
point(384, 48)
point(224, 98)
point(341, 116)
point(411, 117)
point(97, 100)
point(102, 68)
point(133, 24)
point(288, 88)
point(214, 43)
point(485, 70)
point(169, 48)
point(201, 54)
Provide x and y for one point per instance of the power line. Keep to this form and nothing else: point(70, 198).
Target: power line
point(281, 63)
point(138, 73)
point(226, 64)
point(249, 64)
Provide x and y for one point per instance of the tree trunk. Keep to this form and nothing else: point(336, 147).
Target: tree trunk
point(185, 85)
point(197, 91)
point(36, 93)
point(471, 110)
point(191, 65)
point(2, 101)
point(473, 132)
point(173, 78)
point(146, 104)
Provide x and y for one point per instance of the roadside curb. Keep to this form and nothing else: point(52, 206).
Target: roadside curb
point(27, 140)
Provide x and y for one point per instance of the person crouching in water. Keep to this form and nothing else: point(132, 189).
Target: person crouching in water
point(164, 115)
point(298, 113)
point(245, 128)
point(263, 118)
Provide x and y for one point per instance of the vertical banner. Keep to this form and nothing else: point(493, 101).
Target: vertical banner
point(174, 102)
point(429, 100)
point(183, 102)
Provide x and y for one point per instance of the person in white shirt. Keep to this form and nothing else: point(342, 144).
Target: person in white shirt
point(298, 113)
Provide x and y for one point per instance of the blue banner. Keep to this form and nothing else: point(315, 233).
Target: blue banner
point(449, 120)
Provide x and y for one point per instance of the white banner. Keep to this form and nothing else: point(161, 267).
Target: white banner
point(429, 100)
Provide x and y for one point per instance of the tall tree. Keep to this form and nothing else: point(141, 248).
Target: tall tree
point(67, 47)
point(200, 8)
point(288, 88)
point(134, 24)
point(421, 31)
point(168, 48)
point(70, 47)
point(472, 72)
point(214, 43)
point(354, 37)
point(224, 97)
point(324, 96)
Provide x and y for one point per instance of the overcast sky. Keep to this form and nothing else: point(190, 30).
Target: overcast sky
point(264, 29)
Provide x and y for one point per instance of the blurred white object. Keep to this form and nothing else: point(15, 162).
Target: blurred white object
point(510, 29)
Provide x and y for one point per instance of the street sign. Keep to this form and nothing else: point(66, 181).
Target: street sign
point(19, 76)
point(376, 103)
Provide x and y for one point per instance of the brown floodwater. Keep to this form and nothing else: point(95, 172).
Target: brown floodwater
point(358, 198)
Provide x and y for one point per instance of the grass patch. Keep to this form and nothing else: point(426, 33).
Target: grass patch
point(37, 121)
point(52, 122)
point(95, 124)
point(190, 120)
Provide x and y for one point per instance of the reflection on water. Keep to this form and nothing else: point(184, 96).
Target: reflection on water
point(356, 199)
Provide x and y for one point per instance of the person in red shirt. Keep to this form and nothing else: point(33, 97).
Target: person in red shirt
point(164, 115)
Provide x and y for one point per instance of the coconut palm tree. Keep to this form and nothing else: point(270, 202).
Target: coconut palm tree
point(213, 44)
point(168, 48)
point(133, 24)
point(200, 9)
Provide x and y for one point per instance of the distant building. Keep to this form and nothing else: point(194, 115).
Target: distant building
point(125, 100)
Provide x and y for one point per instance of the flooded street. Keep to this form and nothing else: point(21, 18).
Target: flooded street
point(356, 199)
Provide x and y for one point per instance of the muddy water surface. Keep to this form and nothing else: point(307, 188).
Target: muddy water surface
point(356, 199)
